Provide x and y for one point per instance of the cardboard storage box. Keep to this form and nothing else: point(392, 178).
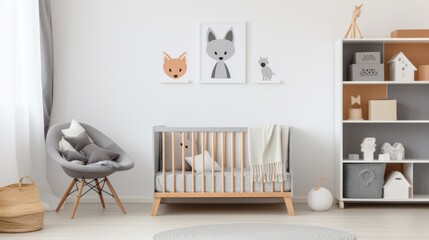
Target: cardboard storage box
point(410, 33)
point(367, 57)
point(423, 73)
point(384, 110)
point(366, 72)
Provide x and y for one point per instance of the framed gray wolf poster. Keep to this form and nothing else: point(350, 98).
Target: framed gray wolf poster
point(222, 53)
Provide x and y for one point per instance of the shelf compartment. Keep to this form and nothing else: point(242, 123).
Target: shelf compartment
point(414, 137)
point(406, 169)
point(366, 92)
point(412, 101)
point(349, 49)
point(417, 53)
point(420, 179)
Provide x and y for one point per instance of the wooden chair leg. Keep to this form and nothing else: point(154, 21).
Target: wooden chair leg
point(115, 196)
point(155, 205)
point(66, 194)
point(79, 193)
point(289, 206)
point(100, 193)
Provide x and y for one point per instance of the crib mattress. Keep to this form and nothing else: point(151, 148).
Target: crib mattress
point(218, 182)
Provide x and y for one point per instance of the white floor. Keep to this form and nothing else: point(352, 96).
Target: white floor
point(364, 221)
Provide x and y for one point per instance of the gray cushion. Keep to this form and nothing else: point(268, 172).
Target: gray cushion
point(96, 153)
point(79, 141)
point(73, 155)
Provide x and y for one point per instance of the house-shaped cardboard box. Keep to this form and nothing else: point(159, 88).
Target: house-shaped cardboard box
point(396, 186)
point(401, 68)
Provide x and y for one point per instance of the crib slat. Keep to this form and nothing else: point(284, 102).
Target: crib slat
point(251, 179)
point(183, 162)
point(206, 136)
point(263, 183)
point(215, 147)
point(223, 161)
point(242, 161)
point(232, 161)
point(173, 160)
point(213, 160)
point(163, 161)
point(203, 144)
point(272, 181)
point(193, 162)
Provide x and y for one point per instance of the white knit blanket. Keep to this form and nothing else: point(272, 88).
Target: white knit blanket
point(268, 152)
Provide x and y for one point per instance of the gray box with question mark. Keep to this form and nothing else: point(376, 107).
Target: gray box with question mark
point(363, 180)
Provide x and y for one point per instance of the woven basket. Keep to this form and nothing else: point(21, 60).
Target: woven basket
point(20, 207)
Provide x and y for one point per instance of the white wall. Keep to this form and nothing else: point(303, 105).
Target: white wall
point(108, 68)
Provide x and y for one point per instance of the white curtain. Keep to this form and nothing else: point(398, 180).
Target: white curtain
point(21, 122)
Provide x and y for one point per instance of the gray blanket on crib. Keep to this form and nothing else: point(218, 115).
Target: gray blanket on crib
point(218, 182)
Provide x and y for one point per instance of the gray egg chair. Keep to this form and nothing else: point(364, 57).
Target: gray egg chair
point(87, 176)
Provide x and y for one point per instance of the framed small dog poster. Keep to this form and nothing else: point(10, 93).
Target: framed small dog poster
point(268, 75)
point(222, 53)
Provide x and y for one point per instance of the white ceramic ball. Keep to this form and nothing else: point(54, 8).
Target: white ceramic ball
point(319, 200)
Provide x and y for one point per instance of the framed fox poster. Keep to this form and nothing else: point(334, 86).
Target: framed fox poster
point(222, 53)
point(175, 68)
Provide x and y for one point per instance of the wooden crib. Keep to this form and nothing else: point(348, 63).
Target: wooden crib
point(228, 150)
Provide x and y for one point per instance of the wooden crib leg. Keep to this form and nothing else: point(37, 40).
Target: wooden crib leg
point(155, 205)
point(289, 206)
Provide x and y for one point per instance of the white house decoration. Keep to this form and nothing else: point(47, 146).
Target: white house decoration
point(396, 152)
point(368, 148)
point(396, 186)
point(401, 68)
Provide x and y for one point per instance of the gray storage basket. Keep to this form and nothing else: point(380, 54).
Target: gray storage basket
point(363, 180)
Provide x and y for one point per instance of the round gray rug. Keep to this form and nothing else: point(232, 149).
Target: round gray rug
point(253, 231)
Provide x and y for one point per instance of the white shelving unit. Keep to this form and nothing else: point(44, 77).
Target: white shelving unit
point(411, 129)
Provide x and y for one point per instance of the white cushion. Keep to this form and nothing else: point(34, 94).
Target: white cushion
point(198, 167)
point(63, 145)
point(78, 162)
point(74, 130)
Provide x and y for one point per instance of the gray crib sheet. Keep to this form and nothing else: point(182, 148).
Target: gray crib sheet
point(218, 182)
